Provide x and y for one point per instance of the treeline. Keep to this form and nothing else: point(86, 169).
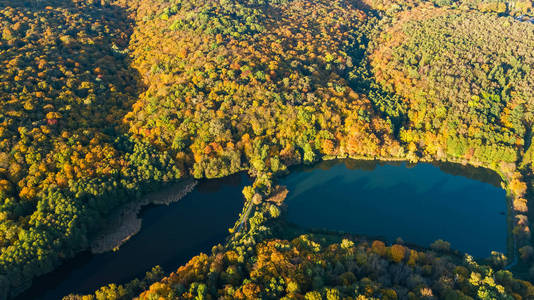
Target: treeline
point(515, 8)
point(124, 291)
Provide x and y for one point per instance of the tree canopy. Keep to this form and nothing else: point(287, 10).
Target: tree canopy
point(103, 101)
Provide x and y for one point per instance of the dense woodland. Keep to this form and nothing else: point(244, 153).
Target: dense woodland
point(231, 89)
point(64, 160)
point(104, 101)
point(311, 268)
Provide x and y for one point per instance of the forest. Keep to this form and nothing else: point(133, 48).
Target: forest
point(103, 101)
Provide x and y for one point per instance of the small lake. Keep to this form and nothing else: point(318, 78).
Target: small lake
point(419, 204)
point(169, 237)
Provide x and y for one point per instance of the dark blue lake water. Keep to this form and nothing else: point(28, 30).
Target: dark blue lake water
point(169, 237)
point(419, 204)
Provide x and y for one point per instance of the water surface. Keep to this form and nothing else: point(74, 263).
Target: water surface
point(419, 204)
point(169, 237)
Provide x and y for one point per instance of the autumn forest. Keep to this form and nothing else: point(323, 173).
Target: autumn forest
point(105, 101)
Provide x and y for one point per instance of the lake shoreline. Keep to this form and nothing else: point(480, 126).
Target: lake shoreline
point(125, 221)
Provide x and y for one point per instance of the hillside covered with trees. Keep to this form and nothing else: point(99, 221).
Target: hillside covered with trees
point(104, 101)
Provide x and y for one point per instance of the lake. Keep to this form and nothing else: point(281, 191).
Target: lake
point(419, 204)
point(169, 237)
